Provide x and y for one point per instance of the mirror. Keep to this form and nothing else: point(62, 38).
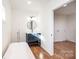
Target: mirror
point(31, 24)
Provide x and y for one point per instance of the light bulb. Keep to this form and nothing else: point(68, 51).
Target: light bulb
point(29, 2)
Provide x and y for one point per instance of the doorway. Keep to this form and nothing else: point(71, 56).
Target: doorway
point(65, 22)
point(65, 31)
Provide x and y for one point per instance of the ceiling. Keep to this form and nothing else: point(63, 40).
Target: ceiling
point(69, 9)
point(36, 5)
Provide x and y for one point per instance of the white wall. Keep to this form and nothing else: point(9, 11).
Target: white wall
point(71, 27)
point(47, 30)
point(65, 27)
point(19, 24)
point(60, 27)
point(6, 26)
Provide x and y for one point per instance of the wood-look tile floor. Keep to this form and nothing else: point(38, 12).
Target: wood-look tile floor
point(62, 50)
